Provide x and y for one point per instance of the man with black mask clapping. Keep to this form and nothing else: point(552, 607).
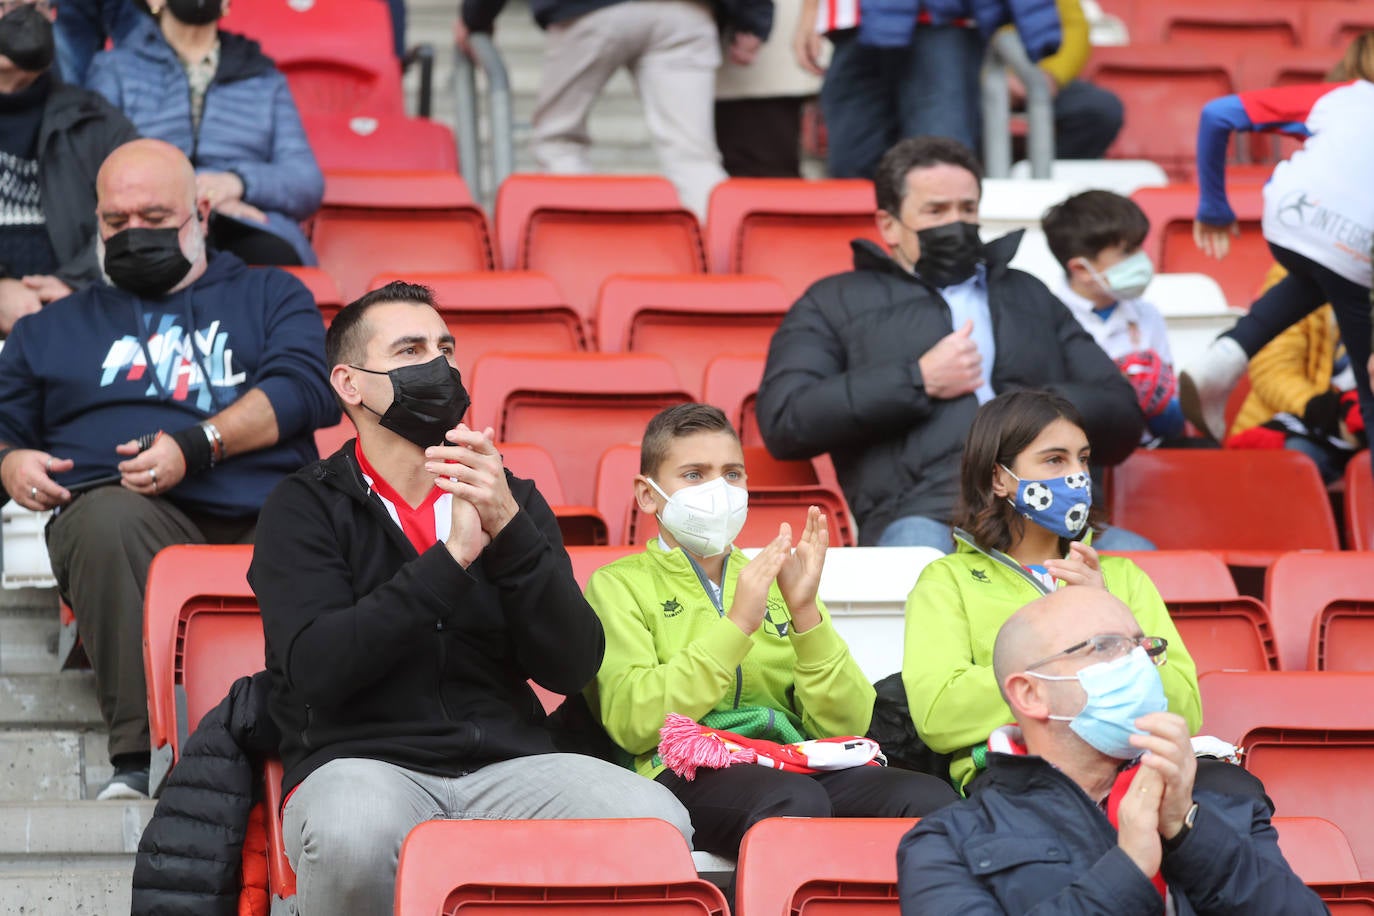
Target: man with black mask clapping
point(53, 138)
point(159, 408)
point(884, 367)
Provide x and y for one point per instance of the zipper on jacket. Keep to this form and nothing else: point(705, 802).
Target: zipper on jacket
point(1002, 559)
point(718, 604)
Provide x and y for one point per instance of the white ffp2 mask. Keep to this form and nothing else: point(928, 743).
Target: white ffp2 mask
point(704, 518)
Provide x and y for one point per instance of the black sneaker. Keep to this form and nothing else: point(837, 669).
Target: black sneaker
point(129, 782)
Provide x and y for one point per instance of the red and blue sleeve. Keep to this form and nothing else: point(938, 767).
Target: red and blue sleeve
point(1283, 109)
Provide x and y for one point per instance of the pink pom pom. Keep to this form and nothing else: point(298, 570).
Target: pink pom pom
point(684, 746)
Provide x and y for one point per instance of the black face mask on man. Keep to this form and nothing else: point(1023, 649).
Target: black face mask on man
point(428, 401)
point(146, 262)
point(195, 12)
point(26, 38)
point(949, 253)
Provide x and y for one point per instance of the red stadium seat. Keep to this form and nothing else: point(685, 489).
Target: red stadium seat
point(281, 878)
point(489, 311)
point(1316, 849)
point(580, 525)
point(1163, 89)
point(853, 873)
point(1170, 242)
point(789, 228)
point(732, 384)
point(1300, 586)
point(1252, 505)
point(381, 143)
point(1343, 637)
point(414, 221)
point(1335, 23)
point(1185, 575)
point(1228, 634)
point(1220, 25)
point(587, 560)
point(615, 500)
point(566, 867)
point(689, 319)
point(1309, 736)
point(322, 286)
point(581, 229)
point(1359, 503)
point(337, 56)
point(573, 404)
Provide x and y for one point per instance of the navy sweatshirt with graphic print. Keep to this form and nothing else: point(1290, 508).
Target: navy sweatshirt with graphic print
point(104, 366)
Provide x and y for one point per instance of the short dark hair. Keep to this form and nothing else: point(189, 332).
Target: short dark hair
point(346, 340)
point(673, 423)
point(1086, 224)
point(889, 182)
point(1002, 429)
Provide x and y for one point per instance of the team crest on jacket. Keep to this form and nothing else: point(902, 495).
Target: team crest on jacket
point(980, 575)
point(671, 608)
point(776, 619)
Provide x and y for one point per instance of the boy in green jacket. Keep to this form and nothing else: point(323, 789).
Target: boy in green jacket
point(694, 627)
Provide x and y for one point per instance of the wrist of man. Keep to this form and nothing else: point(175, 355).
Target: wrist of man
point(1173, 839)
point(201, 446)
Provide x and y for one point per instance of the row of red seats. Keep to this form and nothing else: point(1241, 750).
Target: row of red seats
point(1308, 735)
point(1271, 24)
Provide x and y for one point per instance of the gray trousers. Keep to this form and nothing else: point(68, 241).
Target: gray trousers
point(101, 546)
point(672, 50)
point(344, 825)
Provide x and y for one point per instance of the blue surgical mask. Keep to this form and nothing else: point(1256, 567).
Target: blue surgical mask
point(1059, 504)
point(1119, 692)
point(1127, 278)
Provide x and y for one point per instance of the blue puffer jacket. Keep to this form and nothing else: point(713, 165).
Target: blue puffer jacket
point(1030, 841)
point(889, 23)
point(249, 125)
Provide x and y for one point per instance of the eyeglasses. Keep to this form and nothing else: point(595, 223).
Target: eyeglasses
point(1108, 647)
point(8, 5)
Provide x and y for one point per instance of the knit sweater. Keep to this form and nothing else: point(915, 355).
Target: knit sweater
point(670, 648)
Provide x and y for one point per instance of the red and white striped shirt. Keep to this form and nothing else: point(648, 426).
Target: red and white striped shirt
point(424, 525)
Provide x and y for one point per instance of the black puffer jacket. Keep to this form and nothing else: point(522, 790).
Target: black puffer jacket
point(842, 377)
point(190, 854)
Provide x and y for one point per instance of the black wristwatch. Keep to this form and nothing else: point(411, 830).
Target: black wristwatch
point(1177, 839)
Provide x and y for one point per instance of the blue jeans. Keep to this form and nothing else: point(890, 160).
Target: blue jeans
point(1330, 462)
point(873, 97)
point(920, 531)
point(81, 29)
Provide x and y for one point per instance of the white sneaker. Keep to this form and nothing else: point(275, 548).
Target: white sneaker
point(130, 783)
point(1204, 387)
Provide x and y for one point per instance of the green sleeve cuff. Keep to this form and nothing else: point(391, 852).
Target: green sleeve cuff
point(819, 645)
point(724, 644)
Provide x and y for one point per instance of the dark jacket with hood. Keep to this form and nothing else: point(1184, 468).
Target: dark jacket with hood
point(1030, 841)
point(190, 854)
point(104, 366)
point(381, 652)
point(843, 377)
point(754, 17)
point(249, 124)
point(78, 130)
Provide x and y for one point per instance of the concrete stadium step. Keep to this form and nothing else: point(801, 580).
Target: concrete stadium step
point(100, 888)
point(63, 699)
point(28, 642)
point(51, 765)
point(37, 831)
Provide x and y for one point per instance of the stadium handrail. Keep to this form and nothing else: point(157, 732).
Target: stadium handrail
point(1005, 52)
point(500, 114)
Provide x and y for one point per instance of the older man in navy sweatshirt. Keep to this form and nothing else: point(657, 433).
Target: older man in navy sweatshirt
point(160, 408)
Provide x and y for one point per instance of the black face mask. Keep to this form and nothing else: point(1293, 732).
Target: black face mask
point(146, 262)
point(26, 39)
point(195, 12)
point(429, 400)
point(949, 253)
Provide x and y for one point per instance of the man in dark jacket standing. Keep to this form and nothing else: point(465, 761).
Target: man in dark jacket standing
point(53, 138)
point(410, 587)
point(155, 410)
point(672, 49)
point(885, 366)
point(1070, 817)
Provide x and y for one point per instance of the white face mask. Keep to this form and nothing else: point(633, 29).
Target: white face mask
point(704, 518)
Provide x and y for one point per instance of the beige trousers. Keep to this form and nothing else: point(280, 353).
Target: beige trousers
point(672, 50)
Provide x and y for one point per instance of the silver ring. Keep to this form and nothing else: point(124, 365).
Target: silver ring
point(49, 465)
point(152, 475)
point(33, 493)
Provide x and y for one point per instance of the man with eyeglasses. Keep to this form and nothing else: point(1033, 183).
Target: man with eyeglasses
point(1091, 801)
point(53, 138)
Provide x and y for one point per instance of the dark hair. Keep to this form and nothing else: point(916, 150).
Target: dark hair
point(1088, 223)
point(1001, 430)
point(673, 423)
point(346, 339)
point(889, 182)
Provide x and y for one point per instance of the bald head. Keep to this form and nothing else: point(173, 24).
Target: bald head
point(146, 173)
point(1051, 624)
